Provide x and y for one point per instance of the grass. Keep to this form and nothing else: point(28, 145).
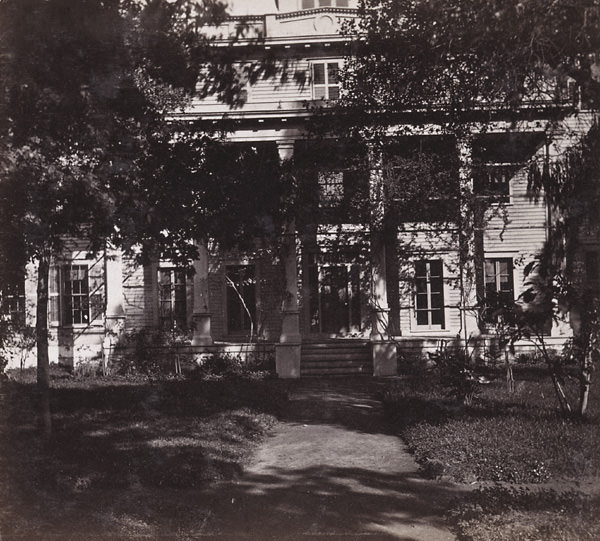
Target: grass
point(124, 458)
point(503, 442)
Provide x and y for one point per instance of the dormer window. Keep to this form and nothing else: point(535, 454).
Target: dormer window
point(325, 80)
point(309, 4)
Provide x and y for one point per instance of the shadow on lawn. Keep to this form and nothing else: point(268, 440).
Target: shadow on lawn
point(288, 504)
point(120, 443)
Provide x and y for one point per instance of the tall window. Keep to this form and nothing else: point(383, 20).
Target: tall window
point(325, 80)
point(499, 280)
point(75, 295)
point(499, 288)
point(592, 273)
point(429, 303)
point(241, 298)
point(172, 299)
point(12, 300)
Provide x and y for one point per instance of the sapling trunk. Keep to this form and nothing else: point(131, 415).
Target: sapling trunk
point(560, 393)
point(510, 380)
point(585, 379)
point(41, 323)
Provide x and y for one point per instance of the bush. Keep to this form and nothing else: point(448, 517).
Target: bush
point(457, 374)
point(17, 340)
point(227, 365)
point(154, 353)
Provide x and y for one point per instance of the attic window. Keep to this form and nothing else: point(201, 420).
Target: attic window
point(309, 4)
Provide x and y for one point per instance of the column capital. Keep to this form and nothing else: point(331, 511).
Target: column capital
point(285, 148)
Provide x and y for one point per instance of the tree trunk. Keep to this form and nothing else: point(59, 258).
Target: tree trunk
point(560, 393)
point(585, 383)
point(510, 380)
point(41, 323)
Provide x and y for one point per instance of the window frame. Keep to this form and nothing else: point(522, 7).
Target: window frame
point(243, 330)
point(483, 185)
point(66, 305)
point(510, 294)
point(326, 85)
point(177, 288)
point(13, 301)
point(591, 262)
point(430, 325)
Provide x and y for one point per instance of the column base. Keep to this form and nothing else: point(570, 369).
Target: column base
point(201, 335)
point(385, 358)
point(287, 360)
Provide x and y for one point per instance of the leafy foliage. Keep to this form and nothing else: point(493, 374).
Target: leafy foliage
point(87, 149)
point(469, 56)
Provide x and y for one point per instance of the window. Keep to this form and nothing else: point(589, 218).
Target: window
point(592, 273)
point(499, 280)
point(494, 180)
point(325, 80)
point(499, 288)
point(172, 307)
point(429, 302)
point(12, 300)
point(241, 298)
point(308, 4)
point(75, 295)
point(331, 188)
point(344, 195)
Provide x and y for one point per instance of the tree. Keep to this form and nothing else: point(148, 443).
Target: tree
point(460, 57)
point(87, 149)
point(566, 279)
point(456, 63)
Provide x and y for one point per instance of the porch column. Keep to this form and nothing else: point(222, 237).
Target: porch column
point(384, 354)
point(471, 253)
point(288, 350)
point(201, 315)
point(115, 301)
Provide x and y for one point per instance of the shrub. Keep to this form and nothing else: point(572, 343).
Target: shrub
point(17, 340)
point(153, 353)
point(457, 375)
point(216, 366)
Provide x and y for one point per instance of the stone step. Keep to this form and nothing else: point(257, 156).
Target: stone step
point(363, 369)
point(345, 355)
point(336, 358)
point(336, 345)
point(336, 363)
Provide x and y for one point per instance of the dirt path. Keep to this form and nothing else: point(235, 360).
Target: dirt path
point(332, 468)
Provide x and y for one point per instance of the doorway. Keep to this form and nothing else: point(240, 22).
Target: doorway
point(335, 298)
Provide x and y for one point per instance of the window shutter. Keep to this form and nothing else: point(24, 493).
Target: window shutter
point(96, 290)
point(54, 295)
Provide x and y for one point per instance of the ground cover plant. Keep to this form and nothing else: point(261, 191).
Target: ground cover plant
point(503, 441)
point(126, 457)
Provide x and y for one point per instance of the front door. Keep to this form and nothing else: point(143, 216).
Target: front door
point(334, 298)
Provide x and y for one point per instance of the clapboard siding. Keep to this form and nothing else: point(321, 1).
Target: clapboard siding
point(140, 295)
point(273, 90)
point(521, 225)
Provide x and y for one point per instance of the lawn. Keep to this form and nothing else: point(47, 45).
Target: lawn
point(537, 474)
point(124, 458)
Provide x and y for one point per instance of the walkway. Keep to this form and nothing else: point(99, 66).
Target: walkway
point(332, 469)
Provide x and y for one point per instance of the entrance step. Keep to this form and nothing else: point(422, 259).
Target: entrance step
point(336, 359)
